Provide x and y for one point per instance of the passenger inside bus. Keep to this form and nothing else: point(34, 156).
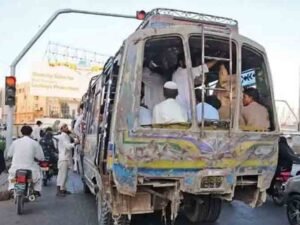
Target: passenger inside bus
point(223, 91)
point(153, 85)
point(211, 105)
point(169, 110)
point(180, 77)
point(253, 114)
point(144, 114)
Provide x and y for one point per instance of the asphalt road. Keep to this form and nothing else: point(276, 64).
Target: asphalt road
point(80, 209)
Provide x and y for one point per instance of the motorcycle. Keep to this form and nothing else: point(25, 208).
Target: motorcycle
point(23, 189)
point(278, 186)
point(47, 170)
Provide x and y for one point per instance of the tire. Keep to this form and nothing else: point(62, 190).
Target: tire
point(103, 213)
point(20, 204)
point(196, 211)
point(45, 182)
point(292, 210)
point(278, 194)
point(104, 216)
point(86, 188)
point(207, 211)
point(214, 211)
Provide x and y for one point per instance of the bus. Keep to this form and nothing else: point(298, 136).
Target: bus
point(188, 167)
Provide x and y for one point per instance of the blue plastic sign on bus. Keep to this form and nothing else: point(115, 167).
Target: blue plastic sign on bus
point(248, 77)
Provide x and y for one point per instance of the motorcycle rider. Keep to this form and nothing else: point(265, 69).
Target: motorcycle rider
point(286, 156)
point(286, 159)
point(25, 153)
point(49, 146)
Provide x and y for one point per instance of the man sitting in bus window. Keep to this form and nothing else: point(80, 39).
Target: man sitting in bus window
point(253, 114)
point(144, 113)
point(210, 105)
point(180, 77)
point(169, 111)
point(154, 83)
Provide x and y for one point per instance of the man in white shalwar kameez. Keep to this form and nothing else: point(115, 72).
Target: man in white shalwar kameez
point(36, 133)
point(153, 88)
point(169, 111)
point(180, 77)
point(25, 153)
point(64, 159)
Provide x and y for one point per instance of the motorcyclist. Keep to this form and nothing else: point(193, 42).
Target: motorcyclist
point(49, 144)
point(25, 153)
point(286, 157)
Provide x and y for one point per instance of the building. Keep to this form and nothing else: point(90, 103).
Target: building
point(29, 108)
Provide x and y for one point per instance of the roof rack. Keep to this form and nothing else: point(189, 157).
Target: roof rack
point(191, 16)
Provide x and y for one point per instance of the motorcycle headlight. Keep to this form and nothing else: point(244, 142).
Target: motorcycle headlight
point(263, 150)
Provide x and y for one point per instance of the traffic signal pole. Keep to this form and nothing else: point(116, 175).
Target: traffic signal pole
point(10, 109)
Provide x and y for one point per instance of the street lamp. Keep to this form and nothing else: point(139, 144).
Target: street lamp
point(27, 47)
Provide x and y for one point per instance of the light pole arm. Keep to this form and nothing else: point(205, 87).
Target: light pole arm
point(10, 109)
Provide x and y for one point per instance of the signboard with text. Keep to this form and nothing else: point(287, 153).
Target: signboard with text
point(248, 78)
point(59, 81)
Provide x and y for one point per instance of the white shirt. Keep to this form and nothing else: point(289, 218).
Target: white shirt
point(64, 147)
point(154, 84)
point(77, 126)
point(180, 77)
point(36, 133)
point(169, 111)
point(23, 152)
point(145, 116)
point(210, 113)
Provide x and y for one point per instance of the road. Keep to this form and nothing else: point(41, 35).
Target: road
point(80, 209)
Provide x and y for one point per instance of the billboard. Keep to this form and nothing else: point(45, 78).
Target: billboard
point(58, 81)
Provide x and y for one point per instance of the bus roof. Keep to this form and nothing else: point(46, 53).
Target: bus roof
point(162, 17)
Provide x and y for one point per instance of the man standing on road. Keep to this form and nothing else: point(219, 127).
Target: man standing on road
point(64, 159)
point(36, 134)
point(25, 152)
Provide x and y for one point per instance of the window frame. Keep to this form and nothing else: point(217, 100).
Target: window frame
point(139, 65)
point(269, 85)
point(236, 43)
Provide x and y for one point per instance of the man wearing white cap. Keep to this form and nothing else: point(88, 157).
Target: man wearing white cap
point(64, 159)
point(180, 77)
point(169, 111)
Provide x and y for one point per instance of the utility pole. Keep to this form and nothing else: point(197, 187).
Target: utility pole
point(10, 109)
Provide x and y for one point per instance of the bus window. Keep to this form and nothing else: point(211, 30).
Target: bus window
point(95, 106)
point(214, 96)
point(256, 112)
point(165, 83)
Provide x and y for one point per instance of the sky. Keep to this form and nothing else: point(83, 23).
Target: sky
point(272, 23)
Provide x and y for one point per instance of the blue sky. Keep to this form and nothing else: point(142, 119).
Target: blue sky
point(272, 23)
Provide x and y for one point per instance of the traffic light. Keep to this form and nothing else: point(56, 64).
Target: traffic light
point(10, 90)
point(140, 15)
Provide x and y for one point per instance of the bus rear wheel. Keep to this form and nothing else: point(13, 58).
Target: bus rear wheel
point(104, 215)
point(202, 209)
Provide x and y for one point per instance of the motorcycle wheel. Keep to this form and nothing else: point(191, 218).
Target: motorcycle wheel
point(293, 209)
point(20, 204)
point(45, 182)
point(278, 194)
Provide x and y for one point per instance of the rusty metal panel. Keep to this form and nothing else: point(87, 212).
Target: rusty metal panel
point(139, 204)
